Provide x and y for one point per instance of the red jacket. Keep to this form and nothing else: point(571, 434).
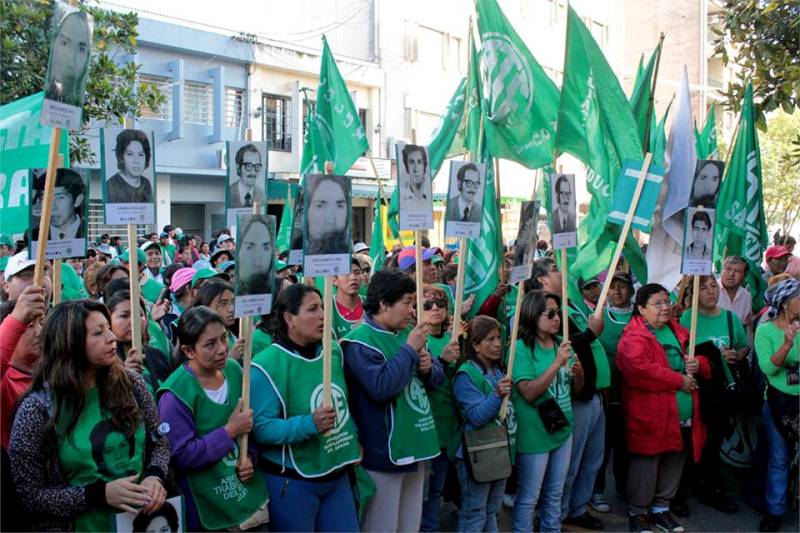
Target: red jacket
point(13, 382)
point(648, 386)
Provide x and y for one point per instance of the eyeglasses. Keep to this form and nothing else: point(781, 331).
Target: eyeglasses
point(441, 303)
point(252, 166)
point(472, 184)
point(552, 313)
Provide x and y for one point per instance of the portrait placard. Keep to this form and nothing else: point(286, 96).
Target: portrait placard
point(70, 211)
point(564, 227)
point(128, 169)
point(67, 67)
point(705, 185)
point(169, 518)
point(254, 278)
point(465, 199)
point(698, 241)
point(247, 178)
point(327, 225)
point(525, 246)
point(296, 239)
point(414, 181)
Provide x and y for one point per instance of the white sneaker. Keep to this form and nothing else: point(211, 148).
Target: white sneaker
point(508, 500)
point(600, 504)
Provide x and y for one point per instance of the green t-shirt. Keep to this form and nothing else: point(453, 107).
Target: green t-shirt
point(714, 328)
point(769, 338)
point(669, 341)
point(442, 402)
point(532, 437)
point(603, 379)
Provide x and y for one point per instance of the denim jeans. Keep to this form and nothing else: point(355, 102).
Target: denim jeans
point(777, 466)
point(540, 476)
point(435, 485)
point(480, 502)
point(588, 446)
point(296, 505)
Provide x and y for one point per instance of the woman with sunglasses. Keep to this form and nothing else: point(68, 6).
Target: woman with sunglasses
point(435, 314)
point(659, 400)
point(544, 372)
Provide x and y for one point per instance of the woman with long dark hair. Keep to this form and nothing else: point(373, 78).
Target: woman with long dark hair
point(201, 402)
point(81, 385)
point(305, 446)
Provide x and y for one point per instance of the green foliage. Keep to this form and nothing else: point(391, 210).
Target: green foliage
point(112, 89)
point(780, 176)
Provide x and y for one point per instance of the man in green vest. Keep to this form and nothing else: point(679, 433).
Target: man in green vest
point(388, 370)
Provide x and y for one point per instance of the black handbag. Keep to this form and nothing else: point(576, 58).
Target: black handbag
point(785, 411)
point(553, 418)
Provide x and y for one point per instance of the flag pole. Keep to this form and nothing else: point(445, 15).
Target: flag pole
point(47, 206)
point(327, 340)
point(651, 100)
point(598, 311)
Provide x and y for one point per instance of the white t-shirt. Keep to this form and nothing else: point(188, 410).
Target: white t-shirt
point(220, 395)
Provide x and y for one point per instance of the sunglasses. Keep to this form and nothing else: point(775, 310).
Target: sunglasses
point(441, 303)
point(552, 313)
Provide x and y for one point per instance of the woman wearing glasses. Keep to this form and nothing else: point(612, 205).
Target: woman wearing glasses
point(659, 400)
point(544, 372)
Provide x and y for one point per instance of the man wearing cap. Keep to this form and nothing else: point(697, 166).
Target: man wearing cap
point(793, 267)
point(152, 251)
point(6, 245)
point(105, 253)
point(226, 242)
point(777, 259)
point(220, 255)
point(19, 275)
point(407, 262)
point(151, 288)
point(167, 248)
point(360, 248)
point(349, 309)
point(590, 289)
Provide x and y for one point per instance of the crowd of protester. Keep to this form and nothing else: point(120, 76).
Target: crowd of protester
point(92, 426)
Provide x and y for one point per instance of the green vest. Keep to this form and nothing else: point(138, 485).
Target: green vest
point(615, 323)
point(222, 500)
point(672, 347)
point(477, 377)
point(412, 430)
point(96, 451)
point(342, 326)
point(442, 401)
point(603, 380)
point(158, 339)
point(298, 383)
point(261, 340)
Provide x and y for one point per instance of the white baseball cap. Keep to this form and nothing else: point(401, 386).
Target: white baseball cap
point(360, 247)
point(18, 263)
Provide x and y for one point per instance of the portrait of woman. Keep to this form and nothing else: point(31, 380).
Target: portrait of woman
point(132, 184)
point(256, 255)
point(69, 60)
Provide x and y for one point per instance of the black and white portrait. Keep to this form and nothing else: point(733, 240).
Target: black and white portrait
point(465, 199)
point(525, 245)
point(167, 519)
point(296, 239)
point(129, 176)
point(327, 224)
point(698, 241)
point(255, 262)
point(705, 186)
point(563, 216)
point(67, 68)
point(67, 215)
point(414, 180)
point(247, 177)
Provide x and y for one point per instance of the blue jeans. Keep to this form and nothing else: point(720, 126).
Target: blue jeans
point(777, 466)
point(588, 446)
point(540, 477)
point(435, 485)
point(299, 505)
point(480, 502)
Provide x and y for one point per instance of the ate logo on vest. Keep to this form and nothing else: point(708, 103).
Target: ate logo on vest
point(232, 459)
point(339, 405)
point(511, 420)
point(416, 397)
point(507, 80)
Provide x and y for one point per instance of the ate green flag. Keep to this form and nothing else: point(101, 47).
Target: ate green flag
point(377, 248)
point(339, 128)
point(740, 228)
point(642, 90)
point(315, 152)
point(596, 125)
point(287, 220)
point(519, 100)
point(705, 141)
point(658, 137)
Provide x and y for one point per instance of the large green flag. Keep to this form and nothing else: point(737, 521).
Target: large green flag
point(338, 125)
point(377, 248)
point(520, 102)
point(740, 227)
point(705, 141)
point(596, 125)
point(287, 221)
point(315, 152)
point(658, 137)
point(642, 90)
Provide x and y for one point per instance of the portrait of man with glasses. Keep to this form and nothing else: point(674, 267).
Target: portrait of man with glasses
point(563, 205)
point(466, 191)
point(249, 186)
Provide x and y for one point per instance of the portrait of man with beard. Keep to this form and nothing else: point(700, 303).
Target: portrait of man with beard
point(327, 210)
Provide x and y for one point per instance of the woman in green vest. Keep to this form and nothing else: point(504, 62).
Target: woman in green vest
point(542, 378)
point(85, 443)
point(202, 414)
point(435, 314)
point(480, 386)
point(305, 446)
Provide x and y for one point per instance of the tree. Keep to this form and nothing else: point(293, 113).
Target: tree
point(762, 38)
point(112, 90)
point(780, 177)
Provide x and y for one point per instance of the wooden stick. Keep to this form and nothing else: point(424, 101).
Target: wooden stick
point(693, 328)
point(513, 346)
point(56, 281)
point(564, 296)
point(418, 272)
point(327, 339)
point(135, 288)
point(598, 311)
point(47, 206)
point(462, 265)
point(501, 271)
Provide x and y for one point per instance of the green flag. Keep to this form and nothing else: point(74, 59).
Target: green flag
point(287, 221)
point(705, 141)
point(377, 248)
point(740, 227)
point(338, 125)
point(596, 125)
point(24, 144)
point(642, 90)
point(658, 137)
point(315, 153)
point(519, 100)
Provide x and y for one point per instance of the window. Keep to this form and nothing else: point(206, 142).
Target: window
point(277, 122)
point(199, 102)
point(164, 85)
point(234, 105)
point(431, 47)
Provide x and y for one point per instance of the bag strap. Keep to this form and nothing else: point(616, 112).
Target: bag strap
point(730, 328)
